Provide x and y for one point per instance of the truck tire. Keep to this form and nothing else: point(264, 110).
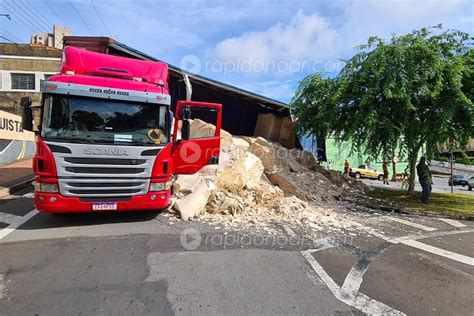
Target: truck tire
point(357, 175)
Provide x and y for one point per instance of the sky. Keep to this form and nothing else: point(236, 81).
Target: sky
point(263, 46)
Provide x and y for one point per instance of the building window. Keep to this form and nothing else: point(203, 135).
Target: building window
point(23, 81)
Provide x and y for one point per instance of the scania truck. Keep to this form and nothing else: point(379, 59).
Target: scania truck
point(110, 139)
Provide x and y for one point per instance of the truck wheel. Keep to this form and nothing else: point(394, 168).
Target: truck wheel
point(381, 177)
point(357, 175)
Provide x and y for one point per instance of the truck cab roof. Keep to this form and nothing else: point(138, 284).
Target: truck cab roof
point(90, 68)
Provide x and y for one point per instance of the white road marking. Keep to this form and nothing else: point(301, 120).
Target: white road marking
point(29, 195)
point(289, 231)
point(360, 301)
point(355, 276)
point(10, 228)
point(405, 222)
point(353, 281)
point(452, 222)
point(372, 232)
point(432, 235)
point(440, 252)
point(8, 218)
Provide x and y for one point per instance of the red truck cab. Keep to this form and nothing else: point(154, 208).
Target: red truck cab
point(107, 141)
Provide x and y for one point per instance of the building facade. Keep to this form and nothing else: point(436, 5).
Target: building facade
point(53, 40)
point(22, 67)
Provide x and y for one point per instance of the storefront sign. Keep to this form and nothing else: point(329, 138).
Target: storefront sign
point(10, 128)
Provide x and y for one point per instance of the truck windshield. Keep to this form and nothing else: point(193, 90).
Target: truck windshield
point(91, 120)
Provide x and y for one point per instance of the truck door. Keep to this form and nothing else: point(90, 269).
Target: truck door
point(195, 143)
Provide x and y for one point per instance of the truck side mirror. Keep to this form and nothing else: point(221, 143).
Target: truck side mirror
point(185, 113)
point(27, 120)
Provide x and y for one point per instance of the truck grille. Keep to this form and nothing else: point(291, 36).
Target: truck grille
point(104, 161)
point(90, 170)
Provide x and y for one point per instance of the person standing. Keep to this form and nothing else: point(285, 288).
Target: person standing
point(385, 173)
point(346, 168)
point(424, 176)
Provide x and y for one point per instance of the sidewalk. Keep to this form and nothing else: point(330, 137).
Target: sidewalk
point(15, 176)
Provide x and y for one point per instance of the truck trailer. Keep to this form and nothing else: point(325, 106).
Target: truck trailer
point(110, 139)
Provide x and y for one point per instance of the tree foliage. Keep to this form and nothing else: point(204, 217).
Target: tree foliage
point(404, 94)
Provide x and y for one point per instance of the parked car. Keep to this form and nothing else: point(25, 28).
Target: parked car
point(365, 171)
point(459, 180)
point(470, 183)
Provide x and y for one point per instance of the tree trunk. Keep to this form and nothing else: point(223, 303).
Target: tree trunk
point(412, 158)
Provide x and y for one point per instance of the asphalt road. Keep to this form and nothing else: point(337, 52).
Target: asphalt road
point(150, 263)
point(440, 185)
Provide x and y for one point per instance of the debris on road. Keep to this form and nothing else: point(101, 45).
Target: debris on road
point(258, 181)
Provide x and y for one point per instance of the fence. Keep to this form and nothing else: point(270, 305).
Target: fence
point(445, 167)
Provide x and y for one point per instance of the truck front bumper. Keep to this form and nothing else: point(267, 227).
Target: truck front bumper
point(56, 203)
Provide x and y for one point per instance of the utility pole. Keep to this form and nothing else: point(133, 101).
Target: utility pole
point(394, 166)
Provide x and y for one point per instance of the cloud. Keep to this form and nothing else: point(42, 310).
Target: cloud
point(235, 33)
point(363, 18)
point(305, 37)
point(331, 33)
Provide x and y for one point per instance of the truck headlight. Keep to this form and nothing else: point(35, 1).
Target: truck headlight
point(160, 186)
point(46, 187)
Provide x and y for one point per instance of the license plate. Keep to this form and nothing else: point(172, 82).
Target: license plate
point(104, 206)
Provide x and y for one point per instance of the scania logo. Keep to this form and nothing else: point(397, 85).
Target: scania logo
point(105, 151)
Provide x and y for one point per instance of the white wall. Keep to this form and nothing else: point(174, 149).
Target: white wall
point(5, 80)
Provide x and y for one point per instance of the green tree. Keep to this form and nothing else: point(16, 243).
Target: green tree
point(468, 75)
point(315, 107)
point(402, 94)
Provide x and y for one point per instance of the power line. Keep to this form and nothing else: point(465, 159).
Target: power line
point(12, 35)
point(27, 23)
point(54, 12)
point(80, 16)
point(31, 17)
point(100, 17)
point(28, 19)
point(35, 9)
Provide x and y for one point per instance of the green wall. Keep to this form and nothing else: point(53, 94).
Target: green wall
point(338, 154)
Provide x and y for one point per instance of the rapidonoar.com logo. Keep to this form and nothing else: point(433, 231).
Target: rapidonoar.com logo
point(190, 239)
point(190, 152)
point(191, 63)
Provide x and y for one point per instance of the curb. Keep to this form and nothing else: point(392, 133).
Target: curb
point(409, 211)
point(16, 187)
